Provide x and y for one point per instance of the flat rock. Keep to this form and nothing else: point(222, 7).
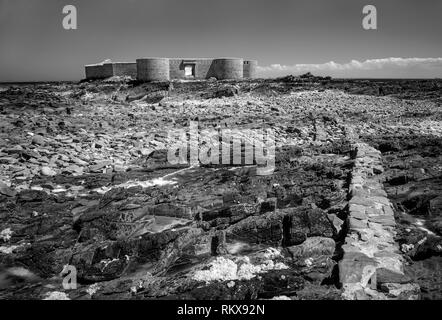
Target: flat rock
point(385, 220)
point(6, 190)
point(313, 246)
point(99, 165)
point(357, 224)
point(408, 291)
point(354, 265)
point(384, 275)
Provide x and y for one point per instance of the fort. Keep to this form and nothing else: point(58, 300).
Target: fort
point(164, 69)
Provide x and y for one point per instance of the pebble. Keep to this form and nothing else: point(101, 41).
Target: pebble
point(39, 140)
point(47, 171)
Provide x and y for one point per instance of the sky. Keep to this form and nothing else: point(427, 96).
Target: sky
point(324, 37)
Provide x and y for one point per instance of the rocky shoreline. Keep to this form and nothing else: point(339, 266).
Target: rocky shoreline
point(85, 181)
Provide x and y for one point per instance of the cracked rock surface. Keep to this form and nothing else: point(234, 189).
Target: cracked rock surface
point(351, 210)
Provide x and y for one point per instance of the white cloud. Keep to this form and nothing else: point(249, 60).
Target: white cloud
point(386, 67)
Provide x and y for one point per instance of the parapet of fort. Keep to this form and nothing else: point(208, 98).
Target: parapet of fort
point(164, 69)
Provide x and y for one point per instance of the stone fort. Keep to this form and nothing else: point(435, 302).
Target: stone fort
point(164, 69)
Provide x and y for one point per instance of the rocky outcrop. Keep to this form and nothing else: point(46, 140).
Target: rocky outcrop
point(84, 180)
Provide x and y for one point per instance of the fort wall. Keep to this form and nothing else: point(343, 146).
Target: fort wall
point(249, 69)
point(125, 69)
point(94, 71)
point(106, 70)
point(164, 69)
point(228, 68)
point(99, 71)
point(153, 69)
point(202, 68)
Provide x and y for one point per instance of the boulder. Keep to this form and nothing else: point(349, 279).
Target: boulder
point(266, 228)
point(313, 247)
point(302, 222)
